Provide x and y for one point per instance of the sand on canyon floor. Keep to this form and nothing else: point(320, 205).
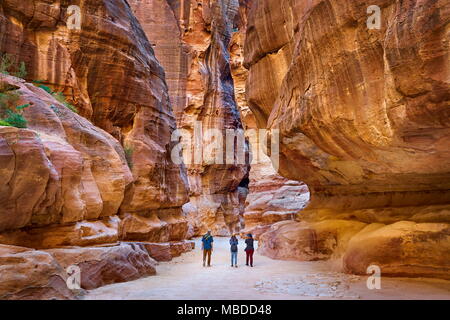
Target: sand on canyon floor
point(185, 278)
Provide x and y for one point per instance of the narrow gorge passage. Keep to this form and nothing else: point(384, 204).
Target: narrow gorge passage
point(184, 278)
point(129, 129)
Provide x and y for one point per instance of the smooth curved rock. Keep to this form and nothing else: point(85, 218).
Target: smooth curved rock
point(83, 233)
point(100, 266)
point(28, 274)
point(291, 240)
point(362, 113)
point(61, 169)
point(402, 249)
point(191, 40)
point(363, 118)
point(109, 72)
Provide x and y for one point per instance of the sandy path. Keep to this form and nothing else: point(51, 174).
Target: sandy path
point(186, 278)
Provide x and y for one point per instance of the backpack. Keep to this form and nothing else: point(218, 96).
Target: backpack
point(234, 245)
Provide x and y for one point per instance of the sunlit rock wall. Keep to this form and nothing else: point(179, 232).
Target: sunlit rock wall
point(364, 122)
point(191, 40)
point(85, 179)
point(109, 72)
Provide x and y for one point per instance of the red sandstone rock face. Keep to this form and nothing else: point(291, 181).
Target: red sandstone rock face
point(401, 249)
point(82, 233)
point(30, 275)
point(271, 198)
point(159, 251)
point(109, 71)
point(363, 118)
point(178, 248)
point(100, 266)
point(60, 170)
point(168, 250)
point(303, 241)
point(191, 39)
point(363, 113)
point(71, 180)
point(57, 174)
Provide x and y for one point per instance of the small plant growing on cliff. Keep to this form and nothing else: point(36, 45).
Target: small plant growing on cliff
point(129, 156)
point(15, 118)
point(59, 96)
point(9, 66)
point(6, 62)
point(21, 71)
point(45, 88)
point(8, 99)
point(10, 113)
point(4, 123)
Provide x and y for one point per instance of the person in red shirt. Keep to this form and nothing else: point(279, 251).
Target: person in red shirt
point(249, 249)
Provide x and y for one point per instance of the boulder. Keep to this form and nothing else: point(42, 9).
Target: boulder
point(104, 265)
point(28, 274)
point(401, 249)
point(303, 241)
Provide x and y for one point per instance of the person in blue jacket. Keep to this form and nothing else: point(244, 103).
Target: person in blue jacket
point(234, 250)
point(207, 247)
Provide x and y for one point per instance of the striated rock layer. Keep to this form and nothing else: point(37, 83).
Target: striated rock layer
point(100, 266)
point(191, 40)
point(271, 197)
point(364, 122)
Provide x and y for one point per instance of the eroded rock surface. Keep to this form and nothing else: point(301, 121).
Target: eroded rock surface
point(363, 114)
point(166, 251)
point(60, 170)
point(191, 40)
point(363, 118)
point(401, 249)
point(28, 274)
point(109, 72)
point(292, 240)
point(73, 179)
point(100, 266)
point(271, 197)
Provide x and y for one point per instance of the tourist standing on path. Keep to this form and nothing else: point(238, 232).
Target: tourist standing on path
point(234, 250)
point(207, 247)
point(249, 249)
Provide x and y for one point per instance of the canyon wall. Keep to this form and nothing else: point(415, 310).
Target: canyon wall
point(271, 197)
point(191, 40)
point(109, 72)
point(94, 164)
point(363, 116)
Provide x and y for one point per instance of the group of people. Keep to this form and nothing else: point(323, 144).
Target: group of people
point(207, 247)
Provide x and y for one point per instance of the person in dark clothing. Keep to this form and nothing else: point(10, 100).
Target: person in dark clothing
point(207, 247)
point(249, 249)
point(234, 250)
